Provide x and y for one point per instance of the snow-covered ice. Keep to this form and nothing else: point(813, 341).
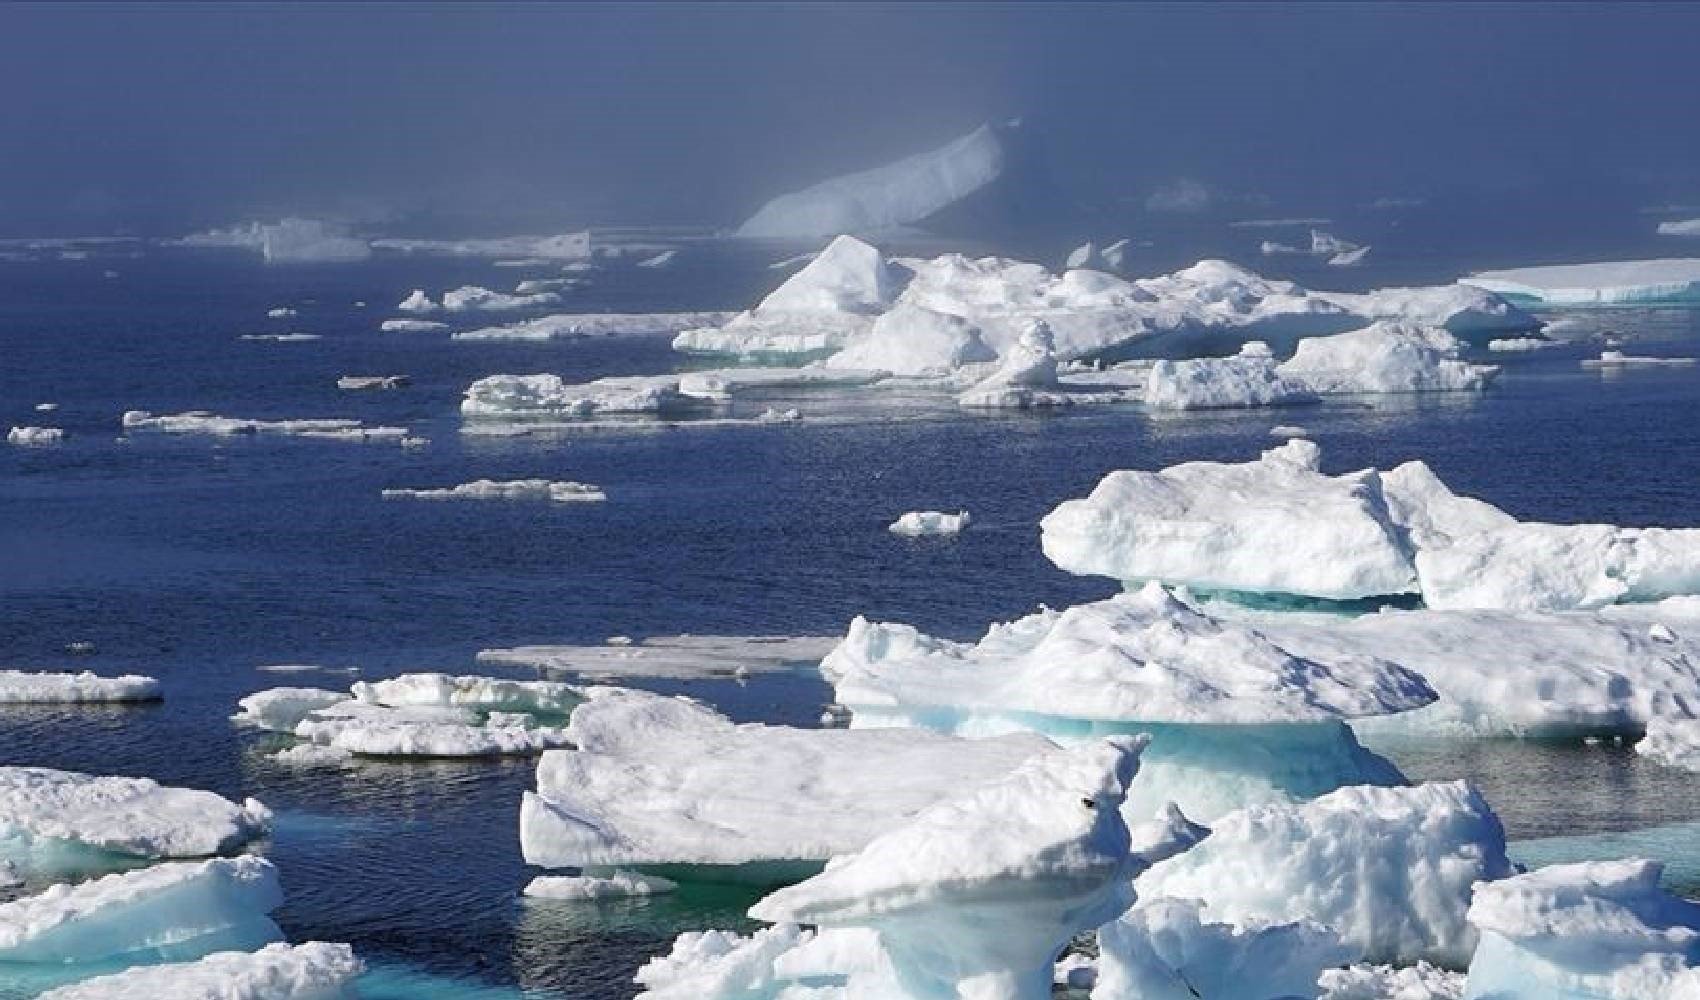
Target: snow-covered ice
point(1026, 375)
point(361, 382)
point(42, 808)
point(1349, 258)
point(567, 326)
point(512, 489)
point(20, 687)
point(677, 656)
point(1289, 431)
point(289, 240)
point(1171, 949)
point(34, 436)
point(411, 326)
point(917, 523)
point(174, 910)
point(1624, 282)
point(312, 971)
point(282, 709)
point(1384, 357)
point(373, 730)
point(1250, 378)
point(620, 884)
point(1513, 345)
point(1390, 870)
point(912, 340)
point(659, 780)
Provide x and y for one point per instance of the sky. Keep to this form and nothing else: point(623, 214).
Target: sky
point(163, 118)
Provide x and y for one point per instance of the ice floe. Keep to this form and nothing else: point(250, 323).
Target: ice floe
point(205, 422)
point(571, 247)
point(19, 687)
point(512, 489)
point(929, 522)
point(411, 326)
point(663, 259)
point(1349, 258)
point(170, 911)
point(42, 809)
point(1592, 931)
point(1624, 282)
point(312, 971)
point(362, 382)
point(1250, 378)
point(1513, 345)
point(912, 340)
point(620, 884)
point(567, 326)
point(281, 338)
point(289, 240)
point(34, 436)
point(1390, 870)
point(1618, 359)
point(678, 656)
point(665, 781)
point(1026, 375)
point(281, 312)
point(530, 396)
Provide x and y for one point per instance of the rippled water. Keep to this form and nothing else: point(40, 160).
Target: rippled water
point(199, 560)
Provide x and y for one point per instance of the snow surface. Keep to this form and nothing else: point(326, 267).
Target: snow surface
point(311, 971)
point(1511, 345)
point(620, 884)
point(513, 489)
point(19, 687)
point(912, 340)
point(511, 396)
point(569, 326)
point(131, 816)
point(884, 197)
point(658, 780)
point(1623, 282)
point(1390, 870)
point(372, 730)
point(169, 910)
point(679, 656)
point(917, 523)
point(33, 436)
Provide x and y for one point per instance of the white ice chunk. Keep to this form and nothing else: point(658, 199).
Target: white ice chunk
point(549, 396)
point(1384, 982)
point(1026, 375)
point(917, 523)
point(1250, 378)
point(481, 694)
point(370, 730)
point(1680, 227)
point(360, 382)
point(311, 971)
point(618, 885)
point(678, 656)
point(133, 816)
point(281, 709)
point(571, 247)
point(34, 436)
point(417, 302)
point(204, 422)
point(1384, 357)
point(281, 312)
point(512, 489)
point(474, 298)
point(663, 259)
point(1638, 282)
point(1349, 258)
point(411, 326)
point(658, 780)
point(572, 326)
point(1519, 345)
point(18, 687)
point(1388, 869)
point(312, 755)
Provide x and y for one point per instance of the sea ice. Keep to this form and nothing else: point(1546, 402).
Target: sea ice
point(19, 687)
point(929, 522)
point(1390, 870)
point(614, 886)
point(678, 656)
point(1508, 345)
point(282, 709)
point(42, 808)
point(1090, 256)
point(282, 338)
point(311, 971)
point(360, 382)
point(912, 340)
point(289, 240)
point(411, 326)
point(372, 730)
point(1675, 742)
point(660, 781)
point(568, 326)
point(204, 422)
point(1625, 282)
point(1169, 949)
point(1680, 227)
point(1349, 258)
point(1384, 357)
point(33, 436)
point(513, 489)
point(1026, 375)
point(1250, 378)
point(511, 396)
point(570, 247)
point(663, 259)
point(1618, 359)
point(473, 298)
point(417, 302)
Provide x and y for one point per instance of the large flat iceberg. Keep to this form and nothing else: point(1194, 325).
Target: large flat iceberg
point(19, 687)
point(1671, 280)
point(42, 808)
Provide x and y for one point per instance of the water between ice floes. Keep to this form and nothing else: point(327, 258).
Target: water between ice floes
point(198, 560)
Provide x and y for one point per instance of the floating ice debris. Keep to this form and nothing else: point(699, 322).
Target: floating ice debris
point(1288, 431)
point(620, 884)
point(312, 755)
point(657, 780)
point(304, 668)
point(1279, 526)
point(721, 965)
point(1234, 717)
point(1390, 870)
point(1618, 359)
point(204, 422)
point(81, 647)
point(513, 489)
point(565, 326)
point(371, 730)
point(573, 247)
point(473, 298)
point(663, 259)
point(46, 407)
point(281, 338)
point(311, 971)
point(417, 302)
point(282, 709)
point(130, 816)
point(1624, 282)
point(281, 312)
point(413, 441)
point(888, 196)
point(174, 910)
point(929, 522)
point(481, 694)
point(1349, 258)
point(411, 326)
point(774, 415)
point(549, 396)
point(912, 340)
point(1287, 223)
point(1026, 375)
point(977, 894)
point(358, 382)
point(1170, 949)
point(289, 240)
point(1680, 227)
point(796, 261)
point(1507, 345)
point(678, 656)
point(1384, 982)
point(18, 687)
point(1593, 931)
point(34, 436)
point(1674, 742)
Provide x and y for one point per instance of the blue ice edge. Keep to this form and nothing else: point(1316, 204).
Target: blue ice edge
point(1676, 844)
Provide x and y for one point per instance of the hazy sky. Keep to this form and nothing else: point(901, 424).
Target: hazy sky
point(171, 116)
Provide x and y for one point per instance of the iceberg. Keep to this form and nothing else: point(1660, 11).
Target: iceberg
point(370, 730)
point(1591, 931)
point(1618, 359)
point(1232, 717)
point(886, 197)
point(18, 687)
point(1673, 742)
point(1624, 282)
point(975, 896)
point(1384, 357)
point(571, 326)
point(512, 489)
point(204, 422)
point(1026, 375)
point(1680, 227)
point(534, 396)
point(1384, 982)
point(418, 302)
point(1167, 949)
point(170, 911)
point(473, 298)
point(312, 971)
point(34, 436)
point(620, 884)
point(917, 523)
point(281, 312)
point(1092, 257)
point(663, 259)
point(43, 810)
point(678, 656)
point(356, 383)
point(665, 781)
point(1390, 870)
point(912, 340)
point(1349, 258)
point(571, 247)
point(281, 709)
point(1511, 345)
point(478, 694)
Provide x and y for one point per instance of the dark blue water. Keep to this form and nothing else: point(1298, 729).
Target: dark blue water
point(198, 559)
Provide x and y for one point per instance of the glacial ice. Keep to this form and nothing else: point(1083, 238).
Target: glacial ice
point(1390, 870)
point(41, 809)
point(170, 911)
point(657, 781)
point(1384, 982)
point(617, 885)
point(975, 895)
point(34, 436)
point(678, 656)
point(474, 298)
point(568, 326)
point(511, 396)
point(372, 730)
point(312, 971)
point(1673, 742)
point(417, 302)
point(204, 422)
point(19, 687)
point(1250, 378)
point(1625, 282)
point(1592, 931)
point(917, 523)
point(512, 489)
point(884, 197)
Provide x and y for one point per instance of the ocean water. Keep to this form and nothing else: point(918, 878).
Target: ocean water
point(199, 560)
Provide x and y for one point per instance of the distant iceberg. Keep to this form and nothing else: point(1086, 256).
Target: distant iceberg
point(569, 326)
point(1683, 227)
point(556, 248)
point(33, 437)
point(512, 489)
point(1668, 281)
point(290, 240)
